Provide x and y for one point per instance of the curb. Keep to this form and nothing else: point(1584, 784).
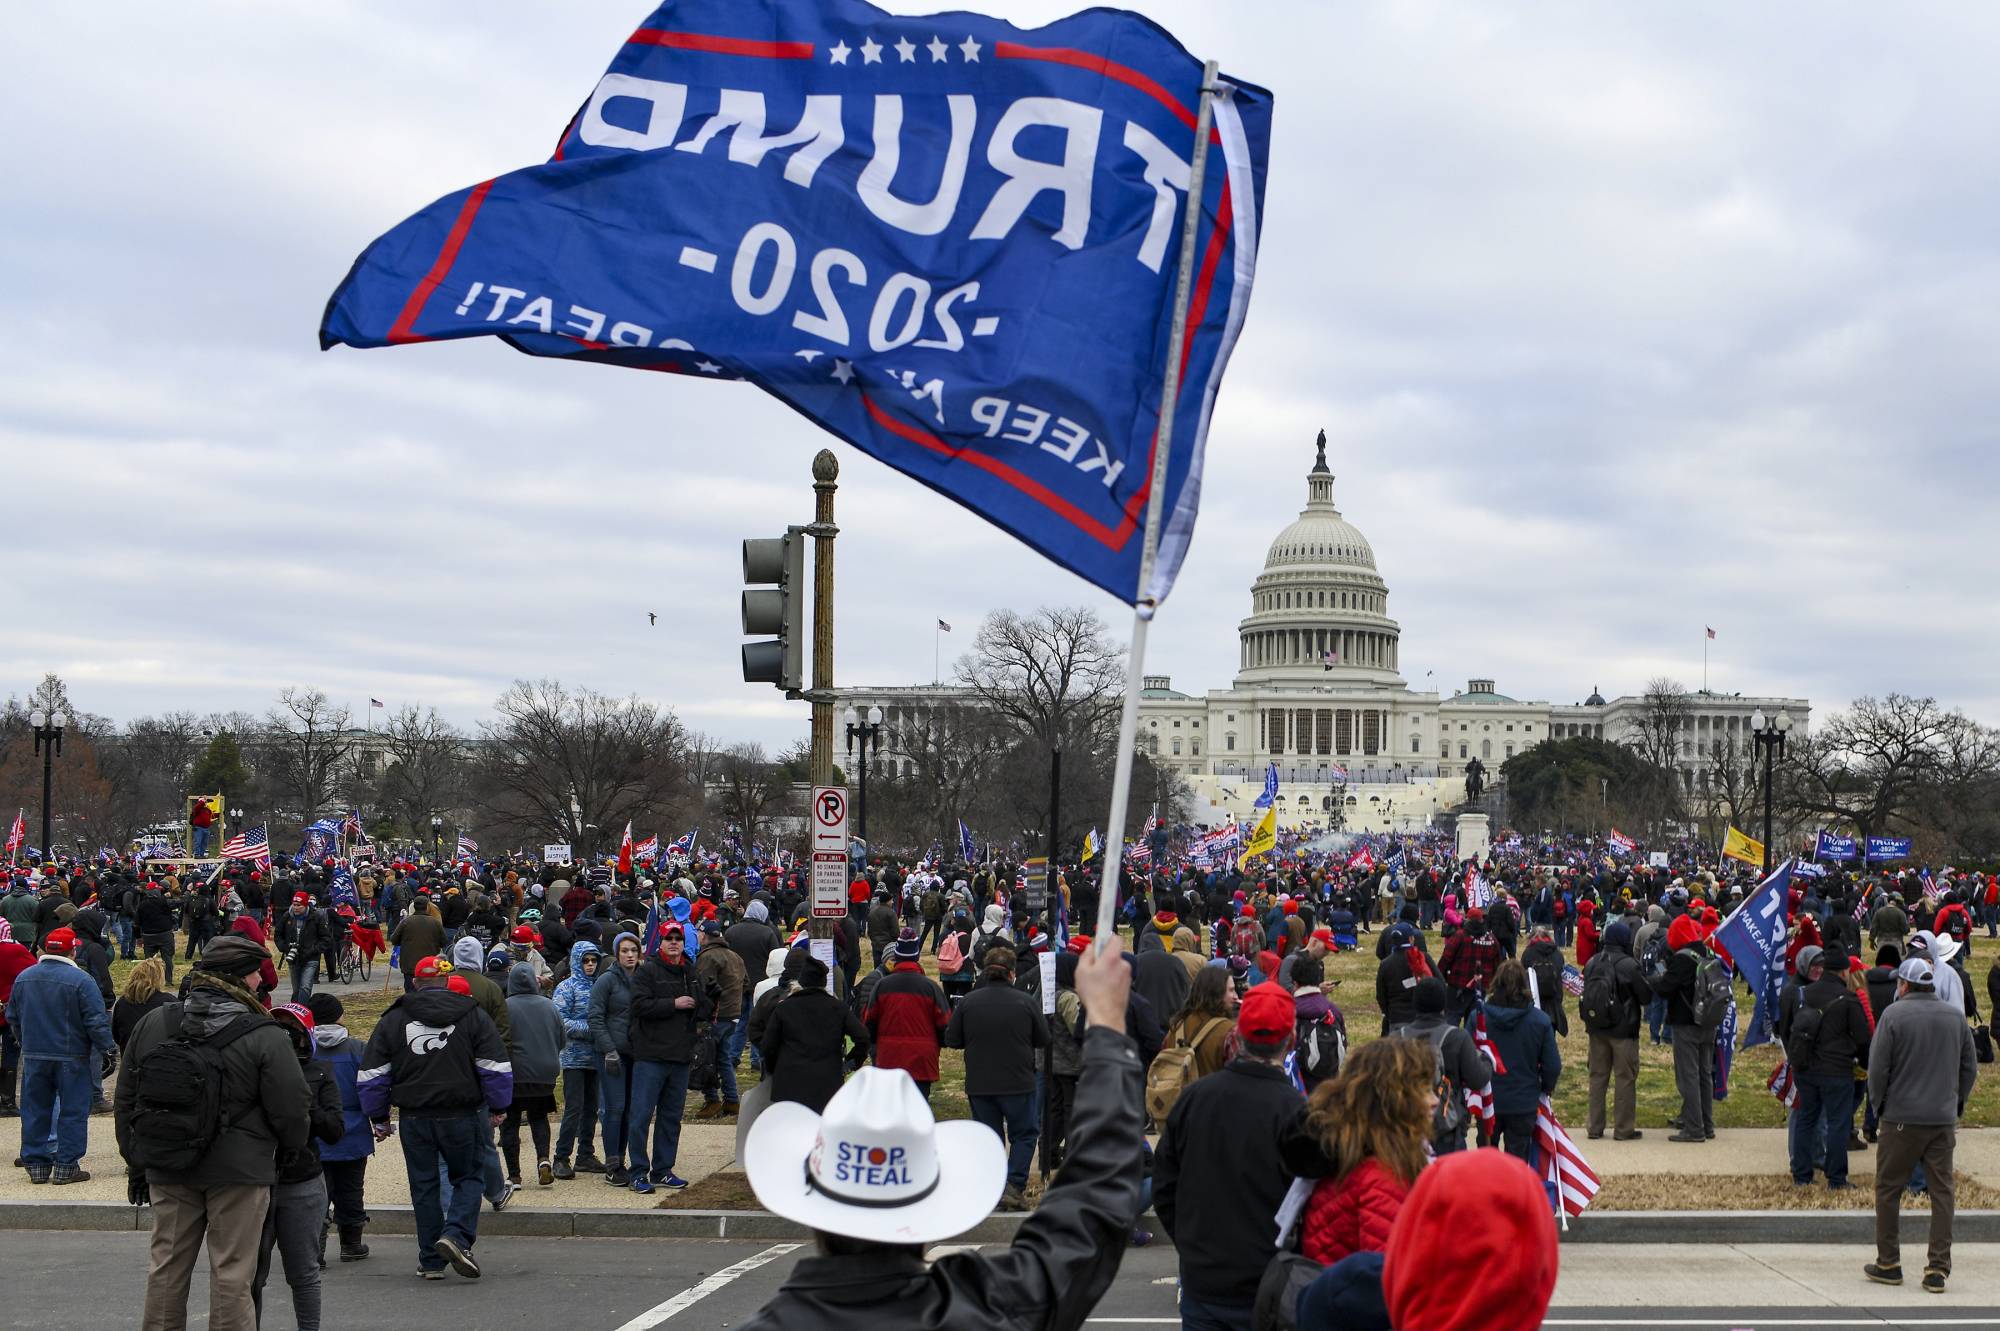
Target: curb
point(1626, 1227)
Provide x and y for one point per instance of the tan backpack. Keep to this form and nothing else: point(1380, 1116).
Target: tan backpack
point(1173, 1071)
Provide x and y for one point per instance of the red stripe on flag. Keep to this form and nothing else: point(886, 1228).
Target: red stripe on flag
point(1027, 485)
point(702, 41)
point(400, 330)
point(1110, 69)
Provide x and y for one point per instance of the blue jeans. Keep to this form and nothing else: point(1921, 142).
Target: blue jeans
point(1656, 1021)
point(1198, 1316)
point(451, 1211)
point(1014, 1121)
point(740, 1036)
point(725, 1042)
point(492, 1179)
point(200, 841)
point(305, 974)
point(55, 1102)
point(121, 931)
point(661, 1087)
point(613, 1092)
point(1824, 1117)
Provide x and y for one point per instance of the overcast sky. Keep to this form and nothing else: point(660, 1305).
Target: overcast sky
point(1621, 320)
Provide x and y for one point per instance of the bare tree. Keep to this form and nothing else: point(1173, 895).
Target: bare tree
point(308, 748)
point(1054, 676)
point(1886, 765)
point(558, 763)
point(750, 791)
point(1729, 785)
point(426, 770)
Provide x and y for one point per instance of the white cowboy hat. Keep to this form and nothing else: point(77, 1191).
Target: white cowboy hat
point(1941, 947)
point(875, 1165)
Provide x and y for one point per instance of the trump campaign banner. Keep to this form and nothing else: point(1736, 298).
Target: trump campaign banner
point(952, 242)
point(1833, 847)
point(1888, 848)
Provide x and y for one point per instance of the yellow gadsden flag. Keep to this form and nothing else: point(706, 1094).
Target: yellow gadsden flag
point(1736, 846)
point(1263, 838)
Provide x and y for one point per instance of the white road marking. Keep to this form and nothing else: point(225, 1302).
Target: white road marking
point(694, 1294)
point(694, 258)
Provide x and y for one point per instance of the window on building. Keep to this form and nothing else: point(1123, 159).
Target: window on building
point(1177, 746)
point(1510, 727)
point(1510, 751)
point(1194, 747)
point(1229, 743)
point(1486, 748)
point(1177, 723)
point(1461, 748)
point(1416, 744)
point(1230, 717)
point(1194, 725)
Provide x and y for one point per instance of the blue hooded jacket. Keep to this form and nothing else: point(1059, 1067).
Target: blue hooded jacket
point(572, 1000)
point(1525, 1039)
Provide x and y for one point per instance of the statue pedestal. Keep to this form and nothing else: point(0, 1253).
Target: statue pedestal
point(1473, 838)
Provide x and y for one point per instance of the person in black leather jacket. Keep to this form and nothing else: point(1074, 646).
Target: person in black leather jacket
point(1067, 1250)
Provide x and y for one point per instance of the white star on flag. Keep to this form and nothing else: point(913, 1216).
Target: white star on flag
point(839, 52)
point(905, 49)
point(938, 49)
point(708, 367)
point(871, 52)
point(842, 370)
point(971, 49)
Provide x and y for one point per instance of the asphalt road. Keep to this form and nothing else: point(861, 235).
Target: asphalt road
point(79, 1282)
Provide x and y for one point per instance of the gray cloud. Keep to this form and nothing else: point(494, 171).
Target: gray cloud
point(1621, 321)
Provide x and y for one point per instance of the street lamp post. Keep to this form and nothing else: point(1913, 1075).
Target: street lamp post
point(869, 731)
point(48, 743)
point(1771, 739)
point(437, 838)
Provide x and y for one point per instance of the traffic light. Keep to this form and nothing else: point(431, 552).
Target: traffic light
point(780, 560)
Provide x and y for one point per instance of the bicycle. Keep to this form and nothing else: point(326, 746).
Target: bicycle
point(354, 963)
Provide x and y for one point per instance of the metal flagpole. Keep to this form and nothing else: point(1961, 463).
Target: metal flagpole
point(1142, 611)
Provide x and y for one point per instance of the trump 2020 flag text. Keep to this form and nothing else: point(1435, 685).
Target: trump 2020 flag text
point(950, 241)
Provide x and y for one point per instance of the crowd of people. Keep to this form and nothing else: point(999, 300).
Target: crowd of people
point(1299, 1166)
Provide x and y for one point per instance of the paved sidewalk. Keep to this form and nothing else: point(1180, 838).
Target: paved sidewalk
point(1765, 1275)
point(705, 1149)
point(1760, 1151)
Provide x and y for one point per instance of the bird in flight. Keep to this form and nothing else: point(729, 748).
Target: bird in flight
point(652, 618)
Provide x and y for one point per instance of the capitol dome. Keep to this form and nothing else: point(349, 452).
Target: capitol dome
point(1319, 610)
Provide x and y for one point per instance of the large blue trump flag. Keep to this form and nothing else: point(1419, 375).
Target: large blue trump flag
point(1755, 936)
point(952, 242)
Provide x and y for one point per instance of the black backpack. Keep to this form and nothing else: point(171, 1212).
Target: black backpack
point(1803, 1043)
point(1653, 961)
point(1603, 1004)
point(177, 1110)
point(1450, 1114)
point(1321, 1043)
point(1710, 998)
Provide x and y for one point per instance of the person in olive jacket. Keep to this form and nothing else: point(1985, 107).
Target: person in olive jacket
point(803, 1046)
point(265, 1113)
point(669, 1003)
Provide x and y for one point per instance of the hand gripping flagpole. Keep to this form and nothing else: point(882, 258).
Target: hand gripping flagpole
point(1143, 608)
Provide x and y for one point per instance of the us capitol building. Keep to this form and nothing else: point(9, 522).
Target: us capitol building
point(1319, 691)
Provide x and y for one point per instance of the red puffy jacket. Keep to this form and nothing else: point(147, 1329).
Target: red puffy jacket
point(1354, 1214)
point(905, 1018)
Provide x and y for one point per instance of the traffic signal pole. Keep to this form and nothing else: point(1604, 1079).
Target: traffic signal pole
point(826, 478)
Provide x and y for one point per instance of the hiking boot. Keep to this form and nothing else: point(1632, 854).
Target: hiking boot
point(69, 1174)
point(712, 1109)
point(563, 1169)
point(1883, 1275)
point(1013, 1199)
point(588, 1164)
point(353, 1252)
point(1688, 1137)
point(1632, 1136)
point(1933, 1281)
point(545, 1173)
point(460, 1258)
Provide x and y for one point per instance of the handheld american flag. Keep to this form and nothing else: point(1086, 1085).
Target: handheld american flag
point(17, 836)
point(1782, 1086)
point(1480, 1103)
point(468, 849)
point(254, 845)
point(1574, 1181)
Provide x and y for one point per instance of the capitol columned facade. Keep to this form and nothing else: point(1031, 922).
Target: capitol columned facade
point(1319, 691)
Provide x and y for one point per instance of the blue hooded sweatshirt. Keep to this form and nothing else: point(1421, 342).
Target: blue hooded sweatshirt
point(572, 1000)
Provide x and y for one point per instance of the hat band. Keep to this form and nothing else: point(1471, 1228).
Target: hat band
point(872, 1203)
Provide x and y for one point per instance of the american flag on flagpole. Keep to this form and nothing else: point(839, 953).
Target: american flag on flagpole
point(1930, 885)
point(1861, 904)
point(468, 849)
point(1575, 1182)
point(17, 836)
point(253, 845)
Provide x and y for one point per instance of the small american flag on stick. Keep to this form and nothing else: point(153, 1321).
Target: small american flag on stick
point(1575, 1182)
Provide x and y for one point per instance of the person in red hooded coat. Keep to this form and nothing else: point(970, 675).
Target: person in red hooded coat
point(14, 959)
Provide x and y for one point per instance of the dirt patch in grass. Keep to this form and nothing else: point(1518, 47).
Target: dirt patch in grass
point(724, 1190)
point(1762, 1192)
